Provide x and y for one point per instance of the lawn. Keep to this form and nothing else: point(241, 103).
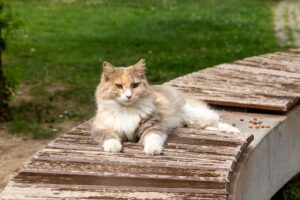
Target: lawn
point(55, 58)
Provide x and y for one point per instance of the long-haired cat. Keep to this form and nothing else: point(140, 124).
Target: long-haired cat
point(129, 109)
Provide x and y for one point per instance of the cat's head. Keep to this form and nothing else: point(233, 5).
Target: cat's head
point(125, 85)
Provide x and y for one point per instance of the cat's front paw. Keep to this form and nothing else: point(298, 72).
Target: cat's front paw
point(112, 145)
point(153, 149)
point(154, 143)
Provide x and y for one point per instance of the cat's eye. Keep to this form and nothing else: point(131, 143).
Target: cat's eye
point(135, 85)
point(119, 86)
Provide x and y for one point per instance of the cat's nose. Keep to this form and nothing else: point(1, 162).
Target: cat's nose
point(128, 94)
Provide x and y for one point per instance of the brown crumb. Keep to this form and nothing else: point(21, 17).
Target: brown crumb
point(263, 126)
point(251, 121)
point(255, 123)
point(256, 126)
point(241, 119)
point(268, 126)
point(250, 126)
point(233, 125)
point(254, 119)
point(259, 122)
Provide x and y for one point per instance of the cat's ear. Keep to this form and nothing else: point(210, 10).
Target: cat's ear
point(107, 70)
point(140, 67)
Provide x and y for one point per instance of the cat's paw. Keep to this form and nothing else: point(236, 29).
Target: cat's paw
point(112, 145)
point(154, 143)
point(153, 149)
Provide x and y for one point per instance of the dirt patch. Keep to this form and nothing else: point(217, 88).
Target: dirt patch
point(22, 95)
point(24, 92)
point(14, 150)
point(56, 87)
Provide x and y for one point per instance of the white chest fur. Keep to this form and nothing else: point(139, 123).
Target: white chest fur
point(124, 120)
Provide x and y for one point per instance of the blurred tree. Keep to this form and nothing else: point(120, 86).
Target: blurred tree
point(7, 23)
point(4, 96)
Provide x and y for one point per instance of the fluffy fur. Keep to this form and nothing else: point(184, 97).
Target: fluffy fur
point(129, 109)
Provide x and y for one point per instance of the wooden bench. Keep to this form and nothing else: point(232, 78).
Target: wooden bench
point(196, 164)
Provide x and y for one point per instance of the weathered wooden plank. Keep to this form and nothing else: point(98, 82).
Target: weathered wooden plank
point(294, 51)
point(205, 170)
point(256, 91)
point(236, 78)
point(194, 149)
point(242, 75)
point(231, 80)
point(118, 181)
point(264, 93)
point(72, 155)
point(212, 141)
point(127, 177)
point(192, 130)
point(261, 76)
point(284, 57)
point(195, 129)
point(198, 139)
point(179, 132)
point(269, 64)
point(118, 167)
point(238, 99)
point(292, 56)
point(246, 84)
point(47, 191)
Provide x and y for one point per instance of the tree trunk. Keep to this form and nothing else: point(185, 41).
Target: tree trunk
point(5, 114)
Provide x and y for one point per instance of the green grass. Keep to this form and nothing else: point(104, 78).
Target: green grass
point(64, 43)
point(291, 190)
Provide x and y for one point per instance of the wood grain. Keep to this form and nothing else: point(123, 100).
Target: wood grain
point(267, 82)
point(196, 164)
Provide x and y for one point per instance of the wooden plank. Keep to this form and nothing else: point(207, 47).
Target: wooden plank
point(211, 142)
point(170, 147)
point(270, 76)
point(235, 83)
point(198, 139)
point(47, 191)
point(231, 87)
point(61, 165)
point(216, 97)
point(267, 82)
point(119, 180)
point(284, 57)
point(270, 64)
point(82, 156)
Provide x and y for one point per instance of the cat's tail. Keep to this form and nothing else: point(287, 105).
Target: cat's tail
point(224, 127)
point(197, 112)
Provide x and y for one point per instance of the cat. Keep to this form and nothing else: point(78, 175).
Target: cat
point(129, 109)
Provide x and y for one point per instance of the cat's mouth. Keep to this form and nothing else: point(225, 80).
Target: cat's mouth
point(127, 102)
